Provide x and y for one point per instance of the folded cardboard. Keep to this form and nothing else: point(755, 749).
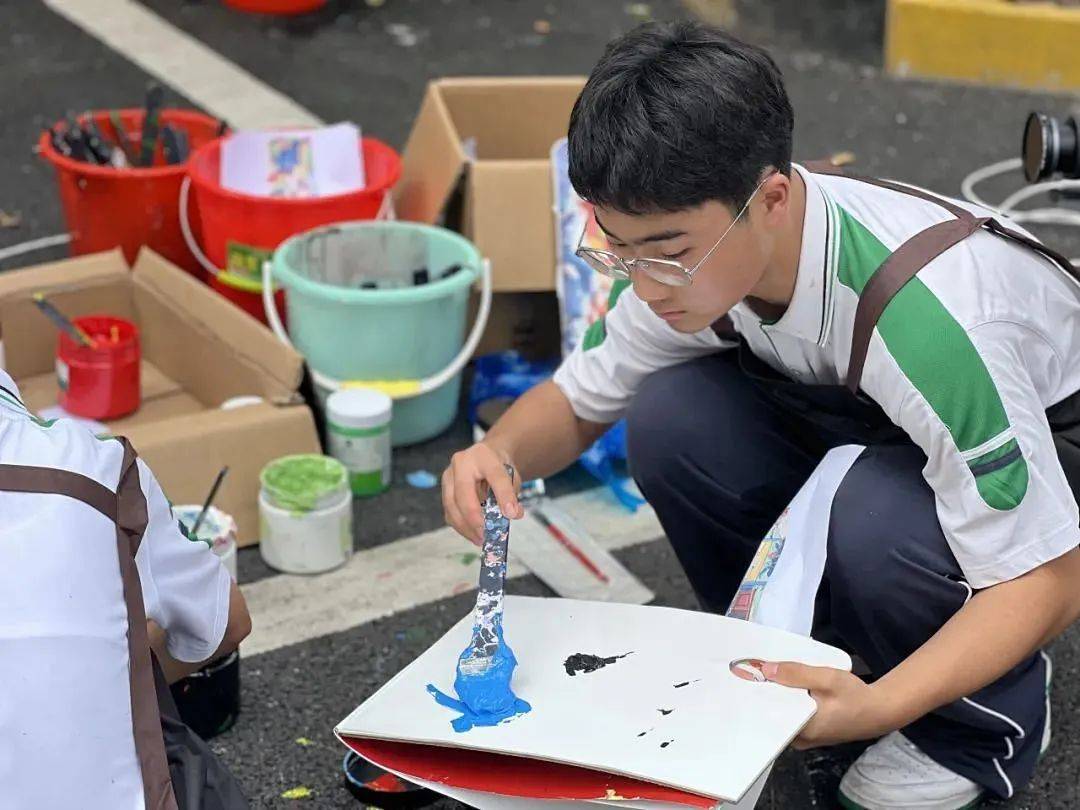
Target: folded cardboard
point(198, 352)
point(477, 161)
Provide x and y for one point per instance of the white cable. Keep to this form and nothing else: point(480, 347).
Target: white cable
point(1039, 216)
point(34, 244)
point(185, 228)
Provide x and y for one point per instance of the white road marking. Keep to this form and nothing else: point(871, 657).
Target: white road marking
point(378, 582)
point(185, 64)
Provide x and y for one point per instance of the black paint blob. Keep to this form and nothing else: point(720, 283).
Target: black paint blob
point(685, 683)
point(665, 712)
point(666, 744)
point(582, 662)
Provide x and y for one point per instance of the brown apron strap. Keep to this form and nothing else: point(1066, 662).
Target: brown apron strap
point(897, 270)
point(913, 255)
point(131, 524)
point(127, 509)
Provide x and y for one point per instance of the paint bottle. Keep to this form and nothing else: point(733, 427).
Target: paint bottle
point(358, 433)
point(305, 514)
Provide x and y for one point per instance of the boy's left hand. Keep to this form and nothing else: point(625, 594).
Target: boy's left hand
point(848, 708)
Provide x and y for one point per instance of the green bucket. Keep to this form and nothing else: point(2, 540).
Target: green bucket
point(399, 331)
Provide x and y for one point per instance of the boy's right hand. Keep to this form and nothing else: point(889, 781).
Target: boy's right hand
point(465, 485)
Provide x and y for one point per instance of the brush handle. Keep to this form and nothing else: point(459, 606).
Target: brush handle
point(487, 616)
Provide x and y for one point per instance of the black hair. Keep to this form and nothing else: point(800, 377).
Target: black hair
point(675, 115)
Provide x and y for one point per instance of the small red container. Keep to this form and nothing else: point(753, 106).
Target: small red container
point(101, 382)
point(283, 8)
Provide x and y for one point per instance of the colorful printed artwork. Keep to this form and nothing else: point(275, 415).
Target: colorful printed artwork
point(291, 172)
point(748, 596)
point(583, 293)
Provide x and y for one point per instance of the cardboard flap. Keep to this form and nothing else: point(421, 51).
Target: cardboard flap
point(85, 285)
point(183, 322)
point(432, 162)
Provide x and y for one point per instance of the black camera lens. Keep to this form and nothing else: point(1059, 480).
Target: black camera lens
point(1050, 147)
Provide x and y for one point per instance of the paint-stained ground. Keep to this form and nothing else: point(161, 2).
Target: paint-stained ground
point(369, 61)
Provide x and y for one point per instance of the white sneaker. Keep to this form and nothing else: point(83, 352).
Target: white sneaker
point(893, 773)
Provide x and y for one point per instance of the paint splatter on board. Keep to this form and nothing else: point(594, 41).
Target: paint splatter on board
point(666, 744)
point(686, 683)
point(665, 712)
point(583, 662)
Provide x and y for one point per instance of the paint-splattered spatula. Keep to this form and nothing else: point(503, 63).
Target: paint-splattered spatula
point(486, 666)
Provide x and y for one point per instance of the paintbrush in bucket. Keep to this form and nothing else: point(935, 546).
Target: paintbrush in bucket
point(209, 500)
point(486, 666)
point(63, 322)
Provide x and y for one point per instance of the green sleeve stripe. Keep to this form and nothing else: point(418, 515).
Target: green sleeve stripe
point(995, 459)
point(597, 331)
point(936, 355)
point(1002, 481)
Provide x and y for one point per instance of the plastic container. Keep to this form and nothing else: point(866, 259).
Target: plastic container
point(305, 514)
point(217, 528)
point(209, 700)
point(358, 432)
point(398, 331)
point(101, 382)
point(240, 231)
point(105, 207)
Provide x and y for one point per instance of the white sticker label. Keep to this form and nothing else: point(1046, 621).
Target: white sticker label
point(63, 375)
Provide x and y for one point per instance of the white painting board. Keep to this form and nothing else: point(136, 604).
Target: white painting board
point(723, 731)
point(293, 163)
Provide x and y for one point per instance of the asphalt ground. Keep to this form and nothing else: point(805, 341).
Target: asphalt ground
point(369, 62)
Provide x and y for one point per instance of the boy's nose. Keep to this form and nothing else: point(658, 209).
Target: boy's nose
point(647, 289)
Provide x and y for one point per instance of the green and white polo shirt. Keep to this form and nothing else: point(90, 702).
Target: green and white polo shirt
point(965, 359)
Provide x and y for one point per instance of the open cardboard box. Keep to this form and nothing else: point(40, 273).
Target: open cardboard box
point(477, 161)
point(198, 351)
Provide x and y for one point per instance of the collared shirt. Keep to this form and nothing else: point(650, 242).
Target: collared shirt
point(65, 703)
point(965, 359)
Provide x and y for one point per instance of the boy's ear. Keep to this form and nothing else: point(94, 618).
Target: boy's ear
point(776, 197)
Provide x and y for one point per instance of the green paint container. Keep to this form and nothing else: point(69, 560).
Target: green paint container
point(358, 434)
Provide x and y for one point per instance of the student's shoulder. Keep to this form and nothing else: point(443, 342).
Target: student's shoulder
point(61, 444)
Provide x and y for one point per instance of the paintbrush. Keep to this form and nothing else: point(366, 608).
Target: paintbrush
point(209, 500)
point(570, 545)
point(63, 322)
point(479, 656)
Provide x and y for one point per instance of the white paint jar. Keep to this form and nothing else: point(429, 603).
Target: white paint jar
point(218, 529)
point(358, 434)
point(305, 514)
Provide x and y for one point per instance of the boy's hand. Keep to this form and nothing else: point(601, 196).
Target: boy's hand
point(848, 708)
point(465, 484)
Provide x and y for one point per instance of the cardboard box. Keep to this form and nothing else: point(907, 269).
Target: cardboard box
point(477, 161)
point(502, 200)
point(198, 351)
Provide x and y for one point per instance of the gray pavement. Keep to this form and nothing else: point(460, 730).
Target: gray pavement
point(345, 63)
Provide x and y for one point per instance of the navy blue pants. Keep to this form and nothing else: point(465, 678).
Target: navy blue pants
point(719, 460)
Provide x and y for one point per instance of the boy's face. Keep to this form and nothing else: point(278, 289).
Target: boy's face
point(733, 272)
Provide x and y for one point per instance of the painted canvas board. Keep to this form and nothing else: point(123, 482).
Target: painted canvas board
point(669, 711)
point(295, 163)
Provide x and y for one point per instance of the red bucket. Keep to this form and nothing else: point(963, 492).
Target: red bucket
point(240, 231)
point(106, 207)
point(100, 382)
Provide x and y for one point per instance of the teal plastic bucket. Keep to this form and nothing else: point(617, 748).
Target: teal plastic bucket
point(402, 330)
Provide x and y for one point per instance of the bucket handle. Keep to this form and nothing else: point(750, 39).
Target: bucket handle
point(397, 389)
point(385, 212)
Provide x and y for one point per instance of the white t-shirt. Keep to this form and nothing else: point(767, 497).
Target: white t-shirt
point(65, 702)
point(965, 359)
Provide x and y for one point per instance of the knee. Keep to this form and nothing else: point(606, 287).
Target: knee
point(657, 432)
point(878, 511)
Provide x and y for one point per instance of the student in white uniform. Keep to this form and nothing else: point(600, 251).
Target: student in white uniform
point(766, 312)
point(66, 699)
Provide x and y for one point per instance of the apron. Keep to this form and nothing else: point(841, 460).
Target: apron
point(843, 409)
point(179, 771)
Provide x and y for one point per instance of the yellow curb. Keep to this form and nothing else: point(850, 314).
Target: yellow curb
point(997, 42)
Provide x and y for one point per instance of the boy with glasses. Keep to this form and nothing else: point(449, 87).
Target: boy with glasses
point(780, 310)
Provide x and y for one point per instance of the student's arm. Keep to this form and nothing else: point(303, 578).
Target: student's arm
point(997, 629)
point(539, 435)
point(237, 629)
point(551, 425)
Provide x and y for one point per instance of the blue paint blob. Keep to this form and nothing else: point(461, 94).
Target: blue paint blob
point(485, 699)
